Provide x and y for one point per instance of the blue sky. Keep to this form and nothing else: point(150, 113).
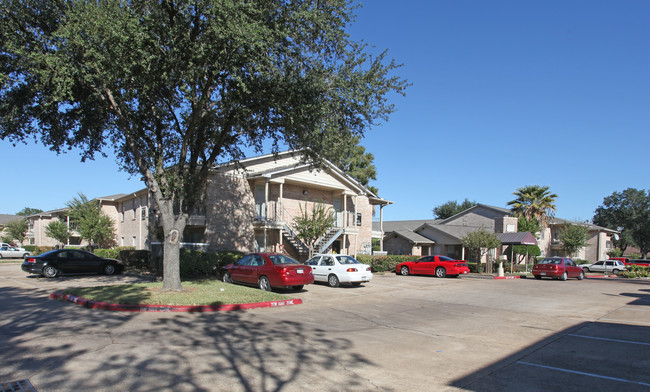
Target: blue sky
point(504, 94)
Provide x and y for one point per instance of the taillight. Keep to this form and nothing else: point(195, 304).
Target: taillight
point(460, 265)
point(283, 271)
point(351, 270)
point(30, 260)
point(368, 269)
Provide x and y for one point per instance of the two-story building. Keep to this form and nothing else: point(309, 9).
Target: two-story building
point(249, 207)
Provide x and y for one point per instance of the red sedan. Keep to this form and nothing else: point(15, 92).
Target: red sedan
point(439, 266)
point(558, 268)
point(268, 270)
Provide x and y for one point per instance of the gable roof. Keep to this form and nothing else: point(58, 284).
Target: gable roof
point(412, 237)
point(504, 211)
point(403, 225)
point(591, 226)
point(6, 218)
point(522, 238)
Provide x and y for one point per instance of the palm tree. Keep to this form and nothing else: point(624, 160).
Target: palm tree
point(534, 201)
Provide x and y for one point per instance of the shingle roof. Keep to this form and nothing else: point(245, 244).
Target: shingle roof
point(6, 218)
point(411, 225)
point(524, 238)
point(413, 237)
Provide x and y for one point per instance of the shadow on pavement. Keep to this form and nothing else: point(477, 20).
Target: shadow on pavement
point(62, 346)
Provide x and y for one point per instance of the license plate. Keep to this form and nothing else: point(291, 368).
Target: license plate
point(363, 277)
point(543, 273)
point(300, 271)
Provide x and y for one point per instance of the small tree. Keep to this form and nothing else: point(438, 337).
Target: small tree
point(311, 228)
point(479, 243)
point(573, 237)
point(93, 225)
point(529, 225)
point(58, 230)
point(17, 230)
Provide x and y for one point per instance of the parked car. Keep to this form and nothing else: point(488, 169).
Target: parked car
point(60, 261)
point(336, 269)
point(9, 252)
point(268, 270)
point(607, 266)
point(558, 268)
point(640, 262)
point(439, 266)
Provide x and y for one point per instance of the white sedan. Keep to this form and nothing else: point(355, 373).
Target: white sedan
point(336, 269)
point(607, 266)
point(9, 252)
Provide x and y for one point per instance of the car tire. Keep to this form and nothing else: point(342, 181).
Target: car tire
point(50, 271)
point(441, 272)
point(615, 271)
point(264, 284)
point(586, 269)
point(298, 288)
point(581, 275)
point(404, 271)
point(226, 277)
point(0, 256)
point(333, 281)
point(538, 277)
point(25, 255)
point(564, 276)
point(109, 269)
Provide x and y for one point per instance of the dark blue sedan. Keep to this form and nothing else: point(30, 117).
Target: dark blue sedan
point(55, 262)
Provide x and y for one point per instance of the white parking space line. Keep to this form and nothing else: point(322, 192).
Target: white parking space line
point(610, 340)
point(623, 321)
point(585, 374)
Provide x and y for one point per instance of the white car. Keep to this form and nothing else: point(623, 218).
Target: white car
point(607, 266)
point(336, 269)
point(9, 252)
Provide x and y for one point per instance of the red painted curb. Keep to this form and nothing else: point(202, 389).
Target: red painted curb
point(170, 308)
point(508, 277)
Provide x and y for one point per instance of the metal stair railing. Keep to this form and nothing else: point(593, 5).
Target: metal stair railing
point(330, 241)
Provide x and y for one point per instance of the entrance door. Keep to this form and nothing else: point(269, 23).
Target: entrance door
point(260, 206)
point(338, 212)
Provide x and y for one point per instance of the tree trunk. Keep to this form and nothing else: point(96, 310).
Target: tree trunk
point(173, 228)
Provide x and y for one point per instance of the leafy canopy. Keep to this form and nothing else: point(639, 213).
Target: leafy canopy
point(16, 230)
point(534, 202)
point(27, 211)
point(58, 230)
point(452, 208)
point(91, 223)
point(311, 227)
point(175, 87)
point(629, 212)
point(573, 237)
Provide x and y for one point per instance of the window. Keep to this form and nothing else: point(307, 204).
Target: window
point(121, 212)
point(143, 211)
point(359, 219)
point(510, 228)
point(134, 241)
point(246, 260)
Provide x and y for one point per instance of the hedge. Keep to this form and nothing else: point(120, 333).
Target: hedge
point(384, 263)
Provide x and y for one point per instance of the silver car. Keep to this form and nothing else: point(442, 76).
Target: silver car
point(9, 252)
point(606, 266)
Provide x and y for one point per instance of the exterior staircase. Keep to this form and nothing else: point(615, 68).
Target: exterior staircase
point(328, 239)
point(295, 242)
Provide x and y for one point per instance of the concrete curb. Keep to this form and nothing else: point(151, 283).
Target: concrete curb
point(169, 308)
point(510, 277)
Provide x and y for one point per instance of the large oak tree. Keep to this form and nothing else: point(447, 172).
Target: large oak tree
point(175, 86)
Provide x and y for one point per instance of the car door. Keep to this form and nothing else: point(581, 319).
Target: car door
point(325, 267)
point(67, 261)
point(316, 269)
point(424, 265)
point(239, 269)
point(572, 269)
point(598, 266)
point(255, 270)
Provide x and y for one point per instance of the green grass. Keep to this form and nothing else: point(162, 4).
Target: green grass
point(203, 292)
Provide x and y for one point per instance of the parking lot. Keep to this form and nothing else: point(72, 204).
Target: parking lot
point(395, 333)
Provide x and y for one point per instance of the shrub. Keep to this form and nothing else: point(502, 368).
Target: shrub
point(384, 263)
point(636, 271)
point(477, 268)
point(199, 264)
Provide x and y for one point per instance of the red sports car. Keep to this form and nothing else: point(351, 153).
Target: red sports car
point(268, 270)
point(558, 268)
point(439, 266)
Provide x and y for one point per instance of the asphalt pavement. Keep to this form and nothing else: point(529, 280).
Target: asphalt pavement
point(396, 333)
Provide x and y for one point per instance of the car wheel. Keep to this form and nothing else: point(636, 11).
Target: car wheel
point(226, 277)
point(538, 277)
point(581, 276)
point(564, 276)
point(264, 283)
point(404, 271)
point(0, 256)
point(50, 272)
point(615, 271)
point(586, 269)
point(356, 284)
point(109, 269)
point(297, 288)
point(25, 255)
point(333, 281)
point(441, 272)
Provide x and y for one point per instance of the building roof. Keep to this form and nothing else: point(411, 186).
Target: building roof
point(6, 218)
point(591, 226)
point(413, 237)
point(390, 226)
point(524, 238)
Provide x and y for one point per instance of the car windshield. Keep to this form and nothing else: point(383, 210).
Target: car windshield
point(551, 261)
point(281, 259)
point(347, 260)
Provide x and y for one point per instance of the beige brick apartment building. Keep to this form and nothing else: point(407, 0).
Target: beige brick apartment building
point(249, 209)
